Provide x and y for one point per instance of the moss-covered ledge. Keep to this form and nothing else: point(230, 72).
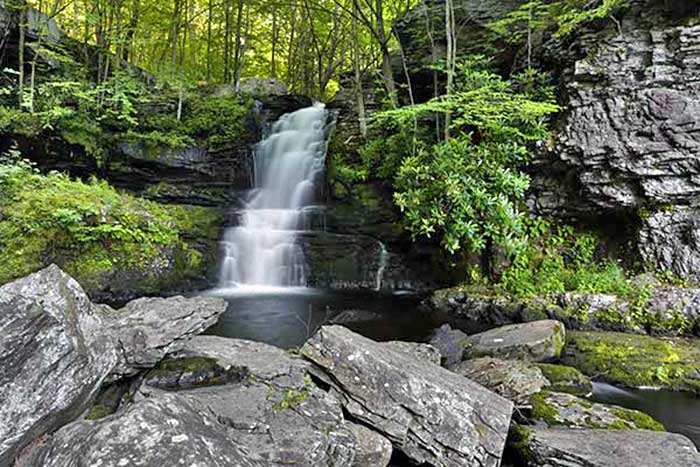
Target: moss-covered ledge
point(635, 361)
point(657, 309)
point(118, 246)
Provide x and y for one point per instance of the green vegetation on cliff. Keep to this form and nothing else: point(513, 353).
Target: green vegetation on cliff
point(94, 232)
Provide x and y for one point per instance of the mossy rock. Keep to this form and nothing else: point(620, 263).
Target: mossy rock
point(537, 341)
point(187, 373)
point(635, 361)
point(566, 379)
point(560, 409)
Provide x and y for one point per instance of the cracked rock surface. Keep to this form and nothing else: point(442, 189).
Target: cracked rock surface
point(54, 355)
point(562, 447)
point(164, 430)
point(148, 329)
point(431, 415)
point(276, 413)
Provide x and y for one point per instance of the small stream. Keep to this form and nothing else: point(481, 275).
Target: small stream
point(679, 412)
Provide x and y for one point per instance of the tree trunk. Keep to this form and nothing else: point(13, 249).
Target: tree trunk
point(387, 72)
point(275, 32)
point(451, 56)
point(359, 95)
point(227, 44)
point(238, 45)
point(20, 51)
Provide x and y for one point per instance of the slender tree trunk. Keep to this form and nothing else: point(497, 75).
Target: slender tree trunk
point(180, 97)
point(450, 59)
point(238, 45)
point(20, 51)
point(275, 32)
point(359, 94)
point(227, 43)
point(387, 72)
point(175, 33)
point(129, 52)
point(209, 20)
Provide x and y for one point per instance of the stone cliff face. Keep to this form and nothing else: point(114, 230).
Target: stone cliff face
point(626, 147)
point(628, 141)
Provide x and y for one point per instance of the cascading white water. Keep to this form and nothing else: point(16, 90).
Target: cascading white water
point(288, 168)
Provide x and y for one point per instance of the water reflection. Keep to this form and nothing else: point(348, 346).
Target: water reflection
point(678, 412)
point(287, 319)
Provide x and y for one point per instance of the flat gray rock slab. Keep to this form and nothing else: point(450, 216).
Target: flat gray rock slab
point(512, 379)
point(415, 349)
point(276, 413)
point(431, 415)
point(562, 447)
point(148, 329)
point(166, 430)
point(537, 341)
point(54, 355)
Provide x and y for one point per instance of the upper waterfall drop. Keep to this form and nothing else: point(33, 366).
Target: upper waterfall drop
point(287, 173)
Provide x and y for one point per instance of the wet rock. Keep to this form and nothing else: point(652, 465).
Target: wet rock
point(421, 351)
point(355, 262)
point(373, 450)
point(556, 408)
point(54, 354)
point(473, 309)
point(354, 316)
point(162, 430)
point(274, 410)
point(431, 415)
point(512, 379)
point(550, 447)
point(667, 310)
point(537, 341)
point(635, 361)
point(450, 344)
point(566, 379)
point(148, 329)
point(670, 240)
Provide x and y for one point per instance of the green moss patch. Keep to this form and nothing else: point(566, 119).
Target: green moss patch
point(567, 410)
point(566, 379)
point(635, 361)
point(97, 234)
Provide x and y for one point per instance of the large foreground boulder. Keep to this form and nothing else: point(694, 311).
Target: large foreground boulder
point(164, 430)
point(431, 415)
point(537, 341)
point(562, 447)
point(267, 403)
point(54, 354)
point(147, 329)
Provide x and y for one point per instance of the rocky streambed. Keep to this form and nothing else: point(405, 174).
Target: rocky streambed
point(85, 384)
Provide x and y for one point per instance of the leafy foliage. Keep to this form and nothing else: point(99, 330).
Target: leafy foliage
point(557, 258)
point(563, 16)
point(464, 190)
point(87, 228)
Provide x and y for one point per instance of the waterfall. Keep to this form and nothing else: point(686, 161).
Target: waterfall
point(261, 250)
point(383, 254)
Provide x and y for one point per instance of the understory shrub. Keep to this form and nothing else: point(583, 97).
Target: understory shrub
point(86, 227)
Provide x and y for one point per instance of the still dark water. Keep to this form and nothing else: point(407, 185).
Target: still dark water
point(287, 318)
point(679, 412)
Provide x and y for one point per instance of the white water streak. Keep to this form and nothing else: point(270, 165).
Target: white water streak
point(289, 165)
